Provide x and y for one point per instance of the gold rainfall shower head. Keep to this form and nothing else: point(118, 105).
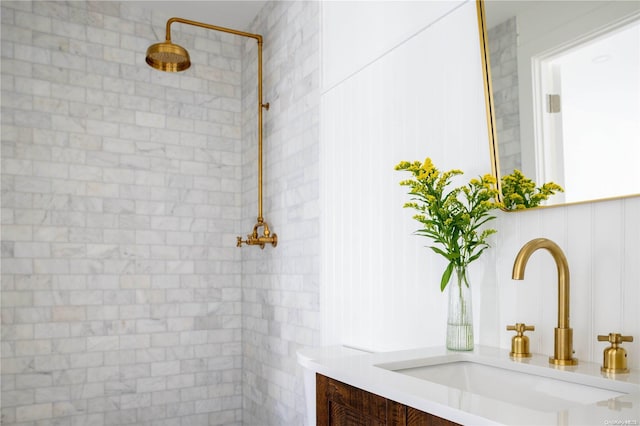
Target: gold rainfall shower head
point(167, 56)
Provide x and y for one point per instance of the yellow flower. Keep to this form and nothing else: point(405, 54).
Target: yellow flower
point(453, 217)
point(520, 192)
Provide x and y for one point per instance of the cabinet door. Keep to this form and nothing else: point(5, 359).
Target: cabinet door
point(420, 418)
point(339, 404)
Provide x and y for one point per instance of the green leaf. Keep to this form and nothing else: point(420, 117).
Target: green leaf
point(472, 258)
point(446, 276)
point(441, 252)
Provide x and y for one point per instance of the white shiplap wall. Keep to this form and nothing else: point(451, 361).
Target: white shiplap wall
point(424, 97)
point(404, 105)
point(600, 242)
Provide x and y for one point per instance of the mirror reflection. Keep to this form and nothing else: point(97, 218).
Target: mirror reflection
point(565, 78)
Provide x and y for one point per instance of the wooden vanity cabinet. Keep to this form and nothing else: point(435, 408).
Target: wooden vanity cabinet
point(339, 404)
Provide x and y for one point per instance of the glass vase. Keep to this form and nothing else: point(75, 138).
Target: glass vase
point(460, 315)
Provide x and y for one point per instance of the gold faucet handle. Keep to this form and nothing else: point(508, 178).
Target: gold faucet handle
point(615, 338)
point(520, 328)
point(614, 357)
point(520, 342)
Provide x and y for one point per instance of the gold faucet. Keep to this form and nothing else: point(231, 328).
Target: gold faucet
point(563, 334)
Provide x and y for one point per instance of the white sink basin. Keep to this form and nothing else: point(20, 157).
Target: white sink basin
point(539, 387)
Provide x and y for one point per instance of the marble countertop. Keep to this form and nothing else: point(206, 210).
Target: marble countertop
point(373, 372)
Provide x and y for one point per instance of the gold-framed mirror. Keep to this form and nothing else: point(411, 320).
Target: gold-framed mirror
point(562, 91)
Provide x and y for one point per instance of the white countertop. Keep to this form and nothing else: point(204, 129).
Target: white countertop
point(365, 371)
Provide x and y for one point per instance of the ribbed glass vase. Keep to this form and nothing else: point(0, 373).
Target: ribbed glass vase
point(460, 315)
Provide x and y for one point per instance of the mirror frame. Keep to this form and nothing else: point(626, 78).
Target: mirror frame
point(488, 97)
point(491, 124)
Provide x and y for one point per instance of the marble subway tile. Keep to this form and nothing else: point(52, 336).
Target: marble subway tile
point(105, 198)
point(33, 412)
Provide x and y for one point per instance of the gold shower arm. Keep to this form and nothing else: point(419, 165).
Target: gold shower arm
point(209, 27)
point(253, 238)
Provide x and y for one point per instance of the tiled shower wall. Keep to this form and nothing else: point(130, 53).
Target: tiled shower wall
point(280, 305)
point(121, 299)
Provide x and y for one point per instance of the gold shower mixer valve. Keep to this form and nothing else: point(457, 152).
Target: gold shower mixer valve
point(253, 239)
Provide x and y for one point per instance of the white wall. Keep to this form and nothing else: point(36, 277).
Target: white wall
point(379, 283)
point(421, 98)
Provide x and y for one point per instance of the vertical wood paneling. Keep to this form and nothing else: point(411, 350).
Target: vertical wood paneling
point(579, 248)
point(606, 261)
point(631, 279)
point(399, 107)
point(508, 236)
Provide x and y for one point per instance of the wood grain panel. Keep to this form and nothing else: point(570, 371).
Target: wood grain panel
point(420, 418)
point(339, 404)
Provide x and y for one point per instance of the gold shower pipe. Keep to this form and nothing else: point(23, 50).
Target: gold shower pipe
point(258, 37)
point(253, 238)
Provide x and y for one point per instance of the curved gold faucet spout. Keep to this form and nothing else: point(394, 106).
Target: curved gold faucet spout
point(563, 273)
point(563, 334)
